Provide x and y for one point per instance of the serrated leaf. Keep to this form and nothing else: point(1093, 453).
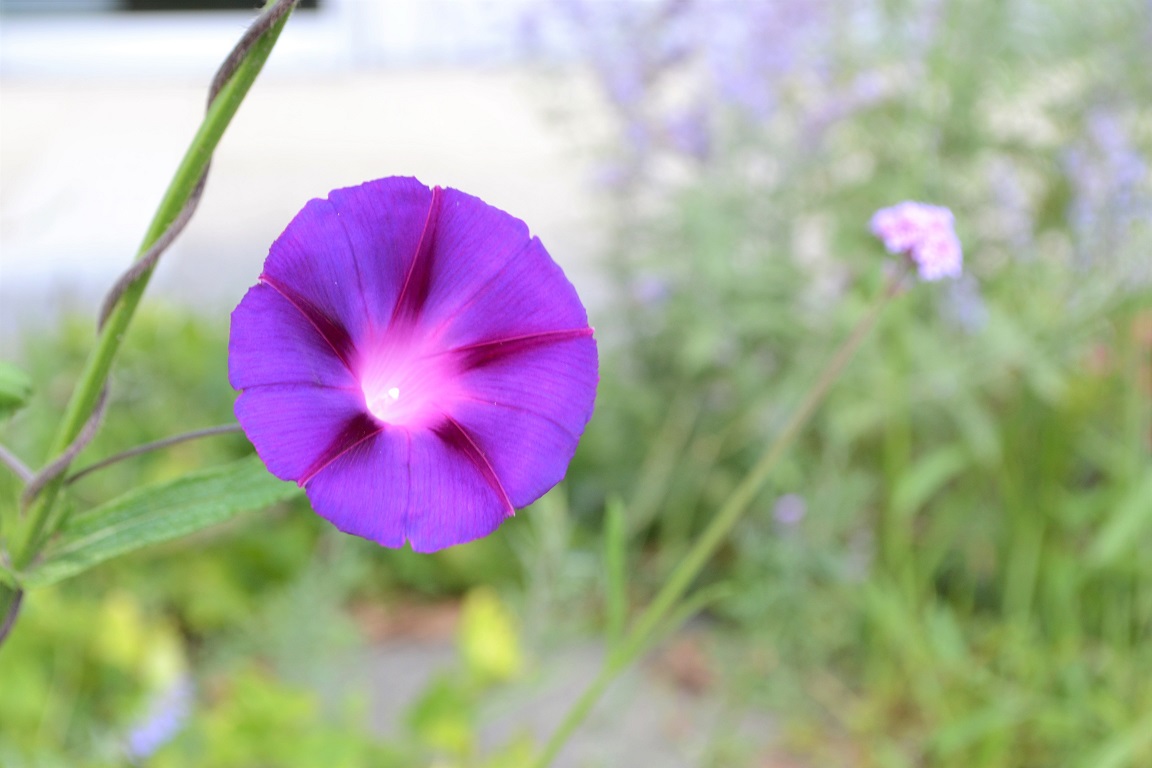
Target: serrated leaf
point(15, 389)
point(158, 513)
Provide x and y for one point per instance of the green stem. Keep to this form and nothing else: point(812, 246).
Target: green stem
point(99, 362)
point(716, 532)
point(579, 712)
point(746, 492)
point(895, 547)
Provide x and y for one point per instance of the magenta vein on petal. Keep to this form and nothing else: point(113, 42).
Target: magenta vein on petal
point(332, 453)
point(417, 281)
point(332, 332)
point(462, 441)
point(480, 353)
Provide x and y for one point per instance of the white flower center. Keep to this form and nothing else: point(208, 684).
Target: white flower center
point(394, 366)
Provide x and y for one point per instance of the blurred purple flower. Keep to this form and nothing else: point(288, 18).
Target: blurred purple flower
point(865, 90)
point(752, 47)
point(964, 305)
point(623, 81)
point(739, 83)
point(735, 60)
point(415, 360)
point(164, 719)
point(925, 233)
point(1107, 174)
point(637, 138)
point(529, 34)
point(614, 176)
point(1012, 204)
point(690, 133)
point(651, 291)
point(789, 510)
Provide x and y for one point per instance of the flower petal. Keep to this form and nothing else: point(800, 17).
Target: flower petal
point(407, 485)
point(450, 499)
point(526, 410)
point(491, 279)
point(364, 491)
point(347, 256)
point(294, 427)
point(925, 234)
point(272, 342)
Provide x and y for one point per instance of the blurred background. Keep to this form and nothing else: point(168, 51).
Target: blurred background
point(101, 98)
point(949, 569)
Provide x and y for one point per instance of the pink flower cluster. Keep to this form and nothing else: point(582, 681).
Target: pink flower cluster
point(924, 232)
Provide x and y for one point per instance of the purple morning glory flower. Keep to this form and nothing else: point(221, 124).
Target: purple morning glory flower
point(415, 361)
point(925, 233)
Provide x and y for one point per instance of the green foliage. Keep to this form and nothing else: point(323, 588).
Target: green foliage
point(967, 569)
point(87, 661)
point(15, 389)
point(445, 718)
point(489, 640)
point(81, 664)
point(257, 720)
point(76, 663)
point(172, 377)
point(158, 513)
point(965, 586)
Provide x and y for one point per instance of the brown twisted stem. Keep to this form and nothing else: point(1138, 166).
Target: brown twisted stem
point(81, 417)
point(11, 612)
point(223, 429)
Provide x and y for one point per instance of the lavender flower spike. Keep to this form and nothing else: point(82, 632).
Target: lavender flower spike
point(415, 360)
point(165, 718)
point(925, 233)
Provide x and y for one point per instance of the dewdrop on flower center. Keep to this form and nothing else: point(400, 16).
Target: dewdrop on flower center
point(397, 363)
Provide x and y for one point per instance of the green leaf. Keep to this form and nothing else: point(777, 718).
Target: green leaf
point(615, 569)
point(15, 389)
point(1122, 533)
point(443, 717)
point(925, 477)
point(158, 513)
point(1123, 749)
